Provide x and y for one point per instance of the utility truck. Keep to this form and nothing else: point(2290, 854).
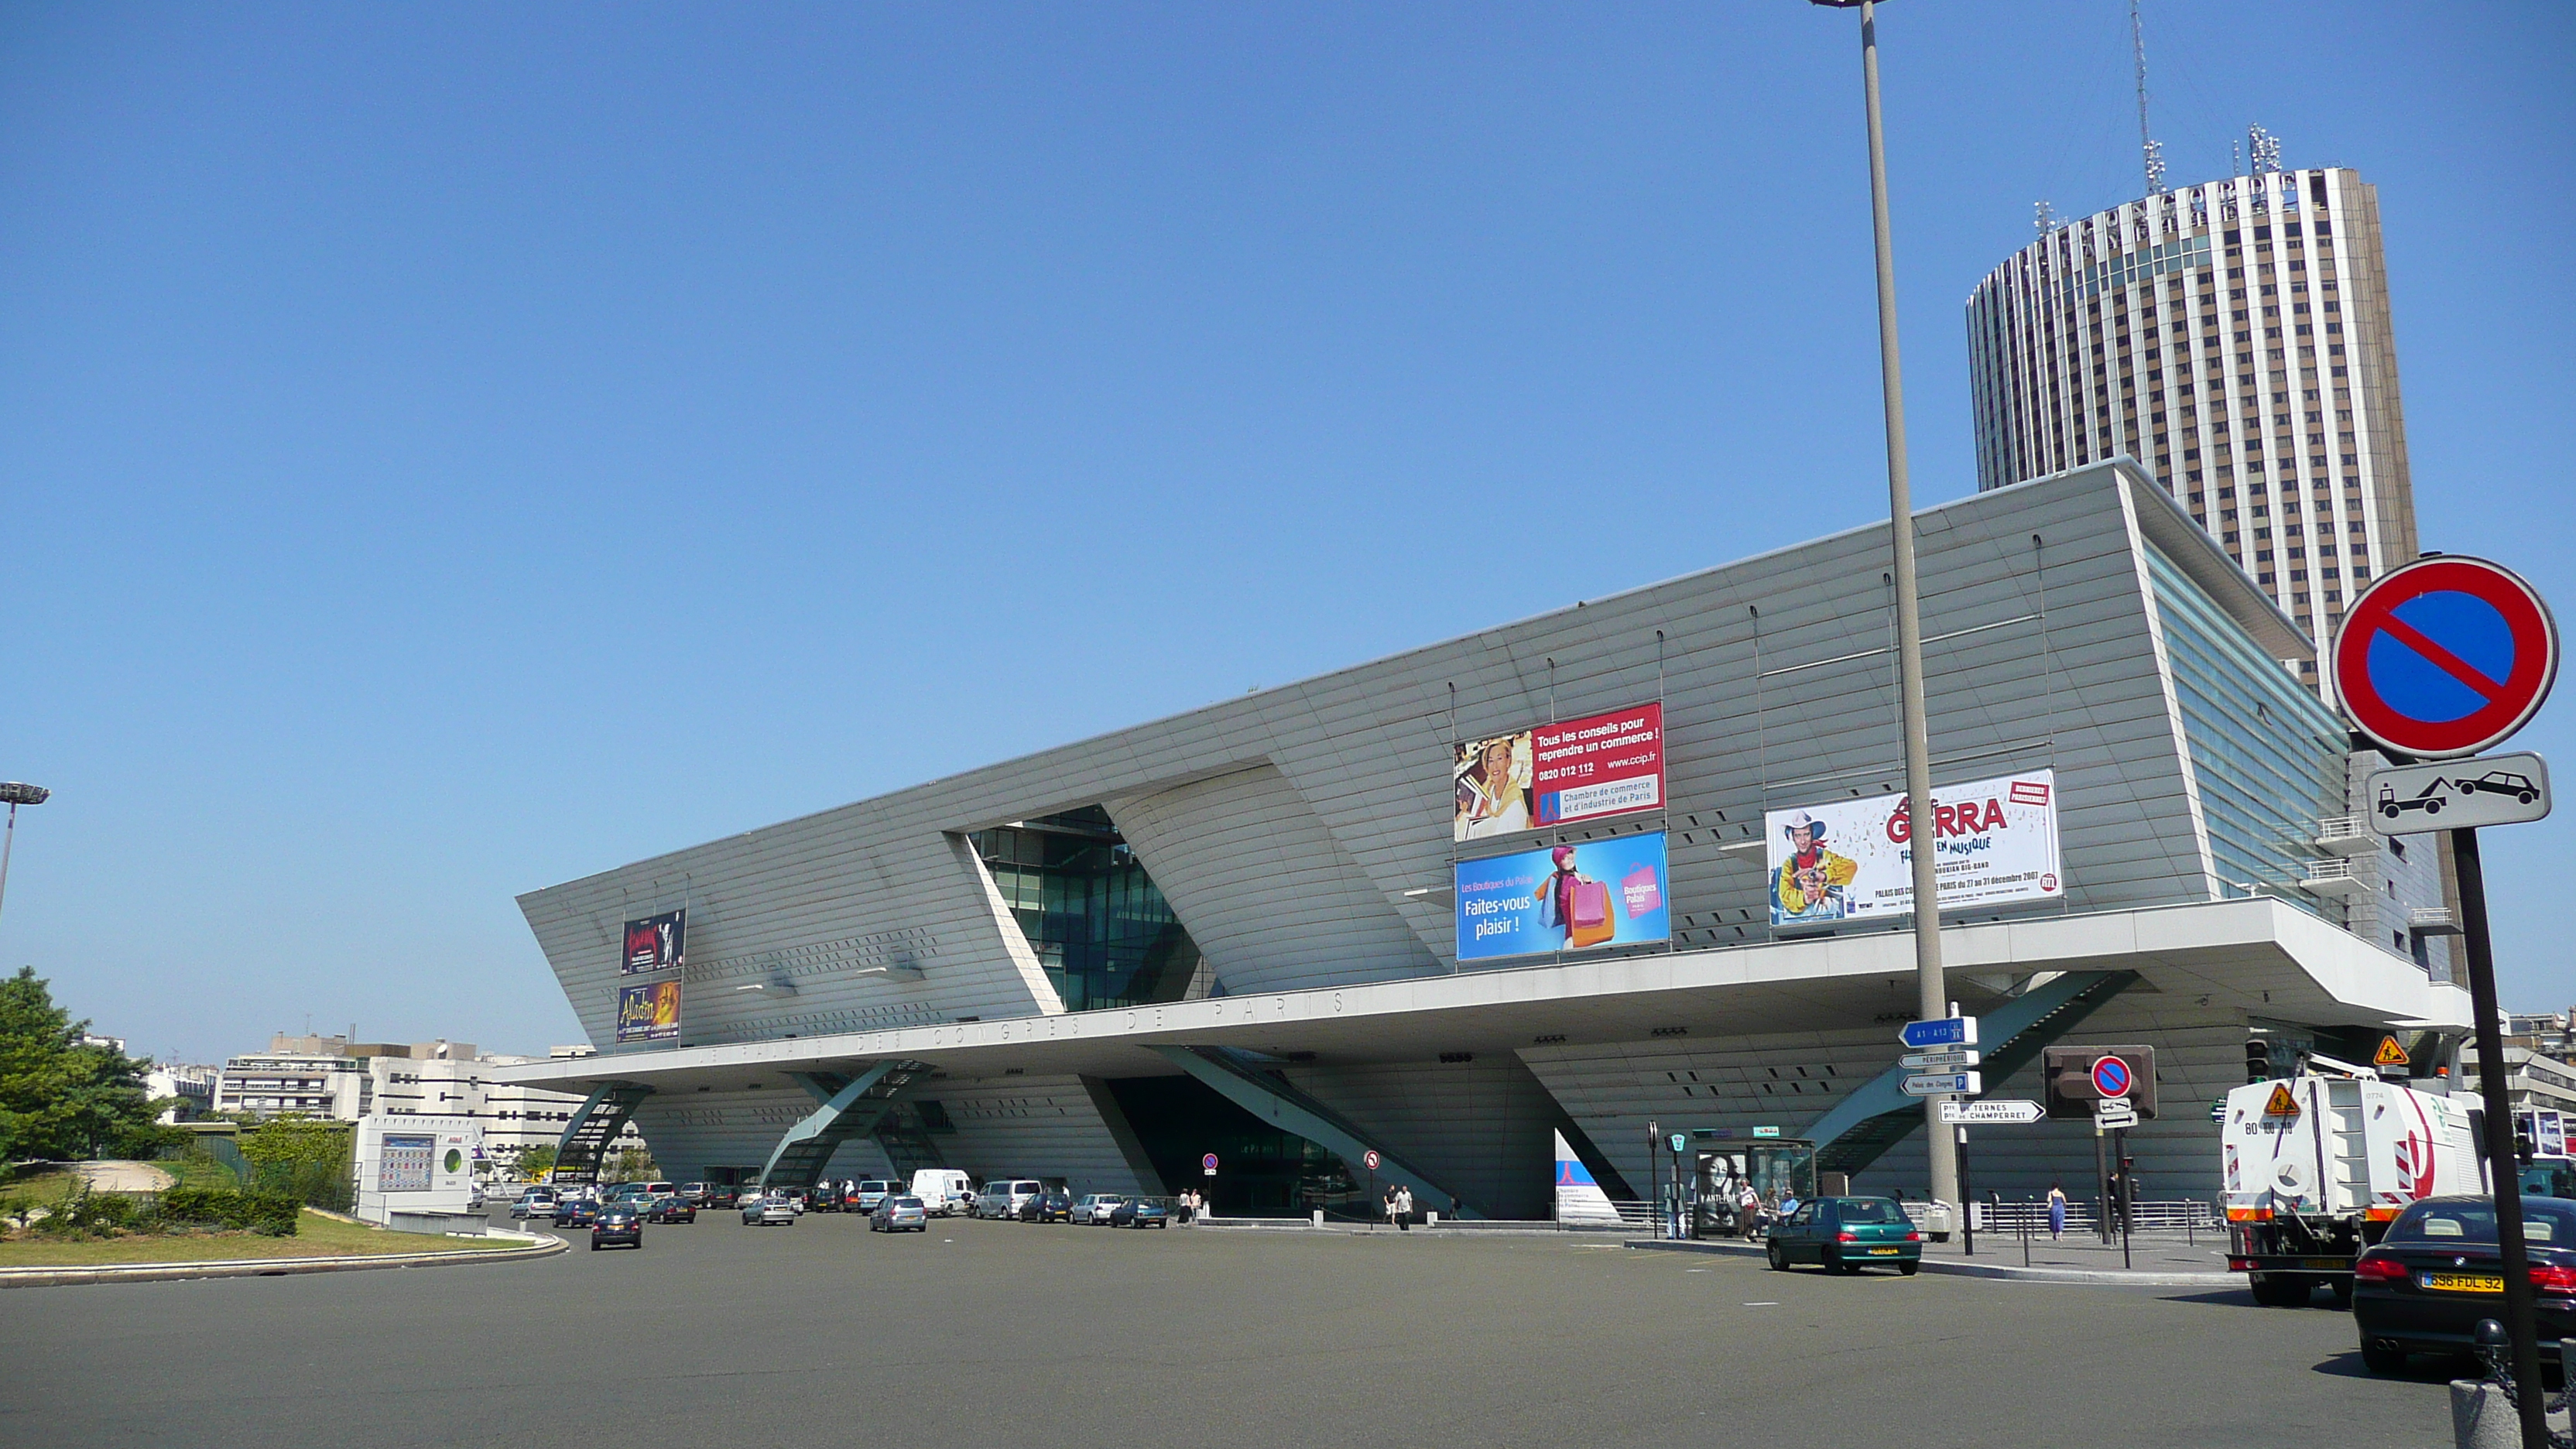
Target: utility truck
point(2316, 1165)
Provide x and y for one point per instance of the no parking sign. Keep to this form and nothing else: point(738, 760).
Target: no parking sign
point(2445, 657)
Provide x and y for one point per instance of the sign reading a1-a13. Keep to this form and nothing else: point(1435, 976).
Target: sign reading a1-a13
point(1557, 774)
point(1572, 897)
point(2445, 657)
point(656, 943)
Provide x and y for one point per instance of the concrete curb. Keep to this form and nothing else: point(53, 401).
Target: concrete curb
point(2113, 1277)
point(268, 1267)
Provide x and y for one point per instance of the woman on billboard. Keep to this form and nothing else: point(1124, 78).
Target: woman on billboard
point(1575, 903)
point(1493, 787)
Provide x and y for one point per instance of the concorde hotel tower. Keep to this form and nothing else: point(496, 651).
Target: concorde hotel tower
point(2234, 339)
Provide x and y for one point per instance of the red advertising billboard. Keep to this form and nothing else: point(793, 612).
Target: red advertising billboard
point(1557, 774)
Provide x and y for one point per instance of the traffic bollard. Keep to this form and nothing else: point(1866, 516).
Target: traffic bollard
point(2482, 1417)
point(1319, 1217)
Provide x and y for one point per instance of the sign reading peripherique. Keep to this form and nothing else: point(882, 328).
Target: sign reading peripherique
point(1560, 773)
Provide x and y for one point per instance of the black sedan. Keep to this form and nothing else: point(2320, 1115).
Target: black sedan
point(1048, 1207)
point(1141, 1212)
point(2439, 1270)
point(671, 1210)
point(576, 1212)
point(618, 1225)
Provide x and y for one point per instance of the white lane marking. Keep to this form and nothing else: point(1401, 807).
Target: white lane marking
point(1772, 1304)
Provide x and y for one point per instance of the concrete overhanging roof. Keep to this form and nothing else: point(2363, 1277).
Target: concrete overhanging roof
point(2258, 955)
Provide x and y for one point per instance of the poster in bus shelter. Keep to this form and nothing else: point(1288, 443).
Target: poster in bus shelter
point(1558, 774)
point(650, 1012)
point(656, 943)
point(1578, 896)
point(1853, 860)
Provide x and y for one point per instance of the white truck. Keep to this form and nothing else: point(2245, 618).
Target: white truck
point(2315, 1166)
point(942, 1190)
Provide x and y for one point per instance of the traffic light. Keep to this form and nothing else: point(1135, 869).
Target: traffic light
point(2258, 1060)
point(2071, 1074)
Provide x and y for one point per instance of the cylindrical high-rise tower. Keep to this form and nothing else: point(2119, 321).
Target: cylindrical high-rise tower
point(2234, 339)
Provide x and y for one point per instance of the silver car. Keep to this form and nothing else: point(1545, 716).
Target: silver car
point(897, 1213)
point(775, 1210)
point(1092, 1209)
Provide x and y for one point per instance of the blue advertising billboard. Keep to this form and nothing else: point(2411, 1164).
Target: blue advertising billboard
point(1574, 897)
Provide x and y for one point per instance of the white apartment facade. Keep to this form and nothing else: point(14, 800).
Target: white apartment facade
point(2234, 339)
point(345, 1080)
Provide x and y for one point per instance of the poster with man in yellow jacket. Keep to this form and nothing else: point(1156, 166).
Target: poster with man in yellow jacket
point(1809, 885)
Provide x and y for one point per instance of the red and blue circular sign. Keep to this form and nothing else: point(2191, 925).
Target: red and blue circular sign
point(1208, 1162)
point(2111, 1077)
point(2445, 657)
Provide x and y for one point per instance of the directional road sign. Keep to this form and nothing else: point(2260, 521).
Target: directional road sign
point(2111, 1078)
point(1949, 1031)
point(2458, 794)
point(2445, 657)
point(1939, 1061)
point(1993, 1109)
point(1937, 1083)
point(2110, 1112)
point(1766, 1131)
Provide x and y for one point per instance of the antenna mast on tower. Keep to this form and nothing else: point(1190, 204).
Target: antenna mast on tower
point(2148, 146)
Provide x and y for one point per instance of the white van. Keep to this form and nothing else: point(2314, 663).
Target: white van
point(1003, 1196)
point(942, 1190)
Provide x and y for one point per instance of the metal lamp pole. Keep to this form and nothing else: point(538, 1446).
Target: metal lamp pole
point(1932, 996)
point(15, 793)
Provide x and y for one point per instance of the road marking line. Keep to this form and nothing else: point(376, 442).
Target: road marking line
point(1772, 1304)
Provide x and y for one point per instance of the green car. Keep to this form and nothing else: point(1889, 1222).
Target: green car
point(1847, 1234)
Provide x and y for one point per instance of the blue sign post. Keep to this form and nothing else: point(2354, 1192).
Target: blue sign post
point(1949, 1031)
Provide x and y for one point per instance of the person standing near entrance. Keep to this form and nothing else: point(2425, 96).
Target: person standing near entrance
point(2056, 1212)
point(1404, 1209)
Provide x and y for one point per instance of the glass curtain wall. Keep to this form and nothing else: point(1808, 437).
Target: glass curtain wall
point(2267, 753)
point(1098, 924)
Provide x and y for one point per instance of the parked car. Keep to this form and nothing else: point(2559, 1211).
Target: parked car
point(1141, 1212)
point(872, 1191)
point(1052, 1206)
point(772, 1211)
point(943, 1190)
point(671, 1210)
point(576, 1212)
point(1092, 1209)
point(824, 1197)
point(724, 1195)
point(1002, 1197)
point(897, 1213)
point(1847, 1234)
point(695, 1193)
point(797, 1198)
point(537, 1204)
point(2439, 1270)
point(616, 1224)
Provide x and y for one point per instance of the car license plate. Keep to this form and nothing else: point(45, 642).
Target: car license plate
point(1884, 1252)
point(2465, 1282)
point(2332, 1264)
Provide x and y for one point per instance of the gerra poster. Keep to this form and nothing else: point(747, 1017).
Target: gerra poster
point(650, 1012)
point(656, 943)
point(1853, 860)
point(1574, 897)
point(1557, 774)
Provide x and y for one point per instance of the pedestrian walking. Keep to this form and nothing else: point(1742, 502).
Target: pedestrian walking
point(1390, 1204)
point(1404, 1209)
point(2056, 1212)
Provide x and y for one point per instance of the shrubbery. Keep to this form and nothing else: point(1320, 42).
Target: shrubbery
point(272, 1213)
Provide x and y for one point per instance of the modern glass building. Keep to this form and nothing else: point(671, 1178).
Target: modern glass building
point(1264, 931)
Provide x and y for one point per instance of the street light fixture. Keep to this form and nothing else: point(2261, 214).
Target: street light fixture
point(1933, 996)
point(15, 793)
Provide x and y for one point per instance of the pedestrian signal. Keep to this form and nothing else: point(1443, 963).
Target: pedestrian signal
point(2282, 1104)
point(2390, 1054)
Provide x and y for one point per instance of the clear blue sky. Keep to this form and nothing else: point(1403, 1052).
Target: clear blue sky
point(448, 450)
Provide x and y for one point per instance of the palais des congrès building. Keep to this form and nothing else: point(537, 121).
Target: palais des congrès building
point(1331, 917)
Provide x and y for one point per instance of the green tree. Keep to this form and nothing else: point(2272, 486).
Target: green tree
point(635, 1164)
point(535, 1162)
point(61, 1097)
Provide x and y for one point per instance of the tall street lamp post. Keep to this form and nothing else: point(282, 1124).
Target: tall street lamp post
point(15, 794)
point(1932, 995)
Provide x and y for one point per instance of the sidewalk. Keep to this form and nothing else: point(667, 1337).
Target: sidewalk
point(2156, 1260)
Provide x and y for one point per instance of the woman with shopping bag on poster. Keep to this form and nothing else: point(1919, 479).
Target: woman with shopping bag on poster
point(1578, 905)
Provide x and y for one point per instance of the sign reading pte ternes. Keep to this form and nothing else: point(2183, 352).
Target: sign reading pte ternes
point(1557, 774)
point(1849, 860)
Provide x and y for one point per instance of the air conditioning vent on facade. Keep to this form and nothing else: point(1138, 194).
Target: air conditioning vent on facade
point(1672, 1031)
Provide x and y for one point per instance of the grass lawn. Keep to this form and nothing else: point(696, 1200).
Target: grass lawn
point(315, 1237)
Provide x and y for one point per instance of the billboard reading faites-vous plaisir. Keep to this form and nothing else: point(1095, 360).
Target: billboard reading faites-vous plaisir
point(1557, 774)
point(1853, 860)
point(1573, 897)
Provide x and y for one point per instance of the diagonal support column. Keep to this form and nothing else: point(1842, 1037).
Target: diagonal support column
point(1268, 1096)
point(587, 1136)
point(1878, 1115)
point(850, 1108)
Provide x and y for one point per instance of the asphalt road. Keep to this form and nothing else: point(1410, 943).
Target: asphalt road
point(1027, 1336)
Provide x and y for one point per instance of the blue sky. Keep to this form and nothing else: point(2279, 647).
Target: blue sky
point(449, 450)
